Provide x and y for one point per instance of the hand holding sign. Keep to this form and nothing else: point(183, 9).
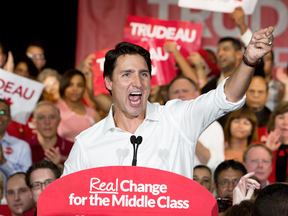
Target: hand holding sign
point(261, 43)
point(238, 16)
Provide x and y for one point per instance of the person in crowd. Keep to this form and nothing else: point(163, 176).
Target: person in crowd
point(25, 67)
point(226, 177)
point(210, 145)
point(46, 144)
point(75, 116)
point(228, 58)
point(35, 52)
point(256, 98)
point(277, 142)
point(51, 80)
point(18, 195)
point(272, 200)
point(203, 175)
point(273, 86)
point(240, 131)
point(39, 176)
point(15, 154)
point(173, 128)
point(258, 158)
point(3, 56)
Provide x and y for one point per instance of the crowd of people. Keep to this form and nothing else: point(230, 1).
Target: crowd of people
point(249, 140)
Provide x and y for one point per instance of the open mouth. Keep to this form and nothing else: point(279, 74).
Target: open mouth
point(135, 97)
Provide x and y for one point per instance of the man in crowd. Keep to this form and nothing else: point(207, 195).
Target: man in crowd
point(210, 145)
point(256, 98)
point(35, 52)
point(39, 176)
point(46, 144)
point(173, 128)
point(15, 154)
point(258, 158)
point(18, 195)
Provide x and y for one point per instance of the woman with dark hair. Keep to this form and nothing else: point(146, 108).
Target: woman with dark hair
point(75, 116)
point(277, 142)
point(241, 129)
point(25, 67)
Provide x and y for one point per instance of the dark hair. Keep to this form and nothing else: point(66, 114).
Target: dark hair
point(244, 112)
point(43, 165)
point(201, 166)
point(66, 79)
point(36, 43)
point(235, 165)
point(281, 108)
point(2, 48)
point(272, 200)
point(245, 208)
point(8, 105)
point(33, 71)
point(123, 48)
point(195, 87)
point(235, 43)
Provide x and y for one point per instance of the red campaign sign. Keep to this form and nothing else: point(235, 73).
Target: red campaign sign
point(152, 33)
point(98, 69)
point(125, 190)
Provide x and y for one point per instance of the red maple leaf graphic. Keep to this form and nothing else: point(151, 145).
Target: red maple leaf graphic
point(9, 101)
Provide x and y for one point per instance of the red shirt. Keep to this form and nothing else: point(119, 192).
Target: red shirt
point(38, 152)
point(22, 131)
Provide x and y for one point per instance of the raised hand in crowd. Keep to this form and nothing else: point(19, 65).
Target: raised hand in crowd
point(197, 60)
point(184, 66)
point(53, 154)
point(245, 188)
point(2, 158)
point(9, 66)
point(282, 76)
point(273, 142)
point(238, 16)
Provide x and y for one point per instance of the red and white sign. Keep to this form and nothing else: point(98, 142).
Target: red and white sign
point(225, 6)
point(98, 69)
point(21, 93)
point(152, 33)
point(125, 190)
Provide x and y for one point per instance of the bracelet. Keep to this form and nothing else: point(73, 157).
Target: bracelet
point(249, 63)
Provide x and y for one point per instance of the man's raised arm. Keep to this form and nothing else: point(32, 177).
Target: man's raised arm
point(261, 43)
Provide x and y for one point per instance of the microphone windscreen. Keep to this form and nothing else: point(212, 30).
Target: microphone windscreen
point(139, 140)
point(133, 139)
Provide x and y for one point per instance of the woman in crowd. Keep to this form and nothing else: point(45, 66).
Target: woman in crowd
point(75, 116)
point(278, 142)
point(241, 129)
point(51, 80)
point(202, 174)
point(25, 67)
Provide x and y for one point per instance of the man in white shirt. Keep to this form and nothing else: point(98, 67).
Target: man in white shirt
point(169, 132)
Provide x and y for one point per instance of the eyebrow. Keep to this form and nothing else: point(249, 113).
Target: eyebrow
point(131, 70)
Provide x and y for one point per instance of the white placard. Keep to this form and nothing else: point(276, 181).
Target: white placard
point(21, 93)
point(224, 6)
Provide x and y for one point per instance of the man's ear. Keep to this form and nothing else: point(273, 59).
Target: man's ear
point(108, 83)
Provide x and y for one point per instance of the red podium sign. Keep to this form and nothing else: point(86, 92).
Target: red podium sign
point(125, 190)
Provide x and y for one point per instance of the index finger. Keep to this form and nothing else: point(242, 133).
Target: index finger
point(248, 175)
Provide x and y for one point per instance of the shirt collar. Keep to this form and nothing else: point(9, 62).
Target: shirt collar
point(151, 114)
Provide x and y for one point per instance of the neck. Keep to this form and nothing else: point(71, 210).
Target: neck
point(284, 140)
point(263, 183)
point(47, 142)
point(74, 105)
point(268, 78)
point(238, 144)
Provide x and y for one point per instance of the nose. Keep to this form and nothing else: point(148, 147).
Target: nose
point(137, 81)
point(16, 196)
point(260, 164)
point(231, 186)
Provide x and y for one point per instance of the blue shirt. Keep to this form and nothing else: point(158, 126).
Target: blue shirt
point(17, 153)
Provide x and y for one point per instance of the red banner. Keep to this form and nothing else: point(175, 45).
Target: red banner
point(125, 190)
point(152, 33)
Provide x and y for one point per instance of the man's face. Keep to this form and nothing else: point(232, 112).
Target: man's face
point(203, 177)
point(46, 121)
point(227, 56)
point(43, 175)
point(268, 63)
point(182, 89)
point(2, 58)
point(5, 117)
point(257, 95)
point(36, 54)
point(259, 161)
point(18, 195)
point(130, 86)
point(227, 181)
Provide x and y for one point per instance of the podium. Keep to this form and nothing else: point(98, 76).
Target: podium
point(125, 190)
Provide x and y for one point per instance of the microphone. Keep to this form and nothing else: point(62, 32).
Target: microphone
point(136, 141)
